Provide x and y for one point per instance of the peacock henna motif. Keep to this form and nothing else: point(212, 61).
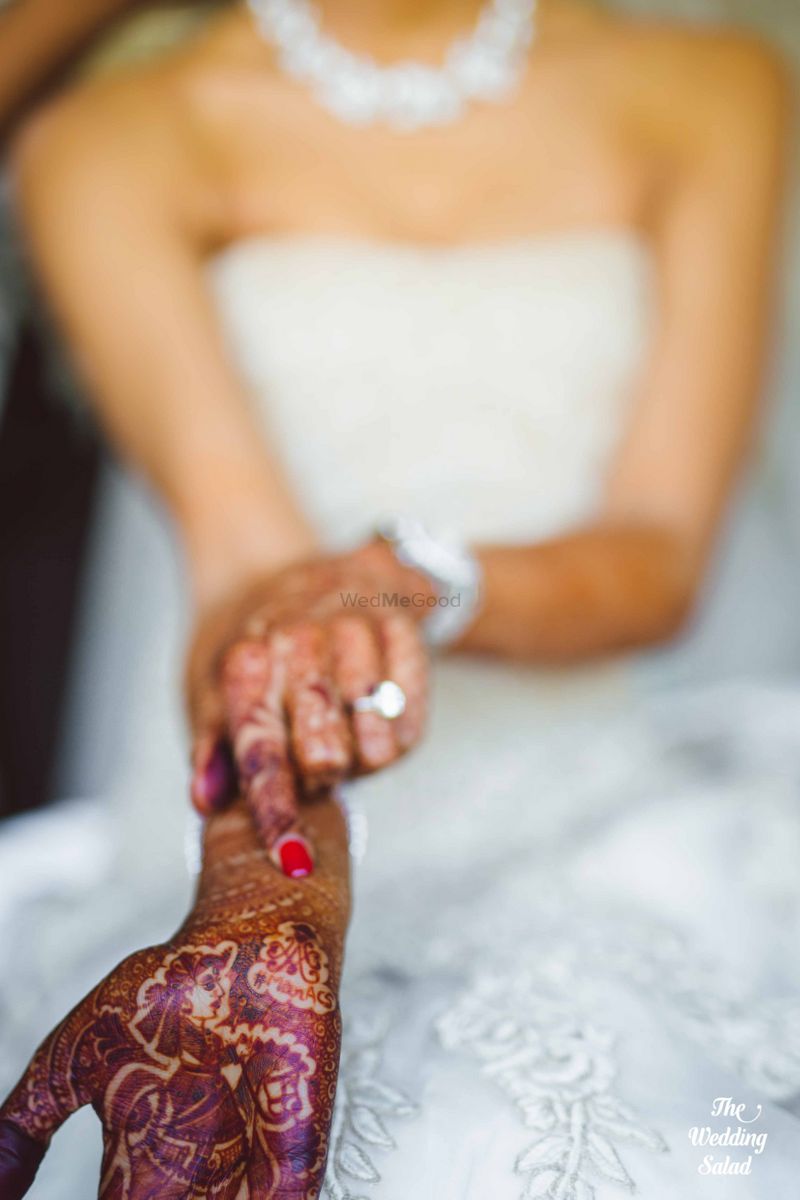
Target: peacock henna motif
point(211, 1060)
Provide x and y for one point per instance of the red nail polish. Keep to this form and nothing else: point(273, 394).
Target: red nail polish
point(296, 862)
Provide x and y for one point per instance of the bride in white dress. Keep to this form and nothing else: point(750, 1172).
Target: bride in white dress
point(576, 910)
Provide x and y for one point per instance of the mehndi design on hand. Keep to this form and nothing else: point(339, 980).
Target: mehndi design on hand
point(211, 1060)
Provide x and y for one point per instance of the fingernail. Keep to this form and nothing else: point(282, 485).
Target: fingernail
point(294, 856)
point(213, 784)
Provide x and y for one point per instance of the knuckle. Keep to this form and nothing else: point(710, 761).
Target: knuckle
point(348, 624)
point(243, 661)
point(305, 643)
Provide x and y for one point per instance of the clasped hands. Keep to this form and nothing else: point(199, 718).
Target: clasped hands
point(212, 1058)
point(274, 680)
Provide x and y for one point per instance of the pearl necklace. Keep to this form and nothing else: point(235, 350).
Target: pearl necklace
point(486, 65)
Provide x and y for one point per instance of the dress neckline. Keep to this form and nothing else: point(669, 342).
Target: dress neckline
point(626, 238)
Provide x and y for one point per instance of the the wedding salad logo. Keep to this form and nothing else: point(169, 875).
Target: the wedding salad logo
point(739, 1133)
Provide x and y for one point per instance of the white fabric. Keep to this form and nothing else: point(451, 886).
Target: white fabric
point(480, 387)
point(577, 914)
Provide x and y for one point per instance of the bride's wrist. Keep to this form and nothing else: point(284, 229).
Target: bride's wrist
point(237, 521)
point(377, 558)
point(240, 543)
point(238, 873)
point(239, 564)
point(443, 578)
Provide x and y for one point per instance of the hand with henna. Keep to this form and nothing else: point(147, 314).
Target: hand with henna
point(212, 1059)
point(273, 675)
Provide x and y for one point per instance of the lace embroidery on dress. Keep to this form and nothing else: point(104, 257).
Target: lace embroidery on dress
point(551, 953)
point(559, 1071)
point(758, 1039)
point(366, 1104)
point(754, 1036)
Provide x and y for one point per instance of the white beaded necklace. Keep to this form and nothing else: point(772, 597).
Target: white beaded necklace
point(486, 65)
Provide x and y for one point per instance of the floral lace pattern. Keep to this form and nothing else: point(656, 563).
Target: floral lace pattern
point(366, 1106)
point(508, 985)
point(559, 1071)
point(757, 1039)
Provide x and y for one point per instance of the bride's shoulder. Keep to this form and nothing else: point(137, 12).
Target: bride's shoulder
point(181, 109)
point(697, 80)
point(103, 120)
point(141, 130)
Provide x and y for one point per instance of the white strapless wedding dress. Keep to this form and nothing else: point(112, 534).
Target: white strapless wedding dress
point(577, 906)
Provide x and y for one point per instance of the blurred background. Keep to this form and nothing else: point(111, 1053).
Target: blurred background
point(80, 539)
point(77, 535)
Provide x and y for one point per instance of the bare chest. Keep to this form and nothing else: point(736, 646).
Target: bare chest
point(548, 160)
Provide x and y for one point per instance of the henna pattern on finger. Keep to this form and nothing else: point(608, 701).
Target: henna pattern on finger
point(406, 664)
point(320, 737)
point(254, 679)
point(358, 669)
point(281, 664)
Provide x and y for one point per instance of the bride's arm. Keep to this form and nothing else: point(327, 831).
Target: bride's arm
point(124, 195)
point(121, 201)
point(632, 577)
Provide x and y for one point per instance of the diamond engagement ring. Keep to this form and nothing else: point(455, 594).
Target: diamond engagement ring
point(387, 699)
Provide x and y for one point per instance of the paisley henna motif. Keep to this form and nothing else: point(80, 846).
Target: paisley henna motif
point(212, 1060)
